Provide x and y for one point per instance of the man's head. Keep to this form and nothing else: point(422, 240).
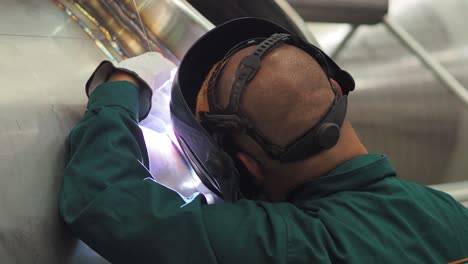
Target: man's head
point(288, 96)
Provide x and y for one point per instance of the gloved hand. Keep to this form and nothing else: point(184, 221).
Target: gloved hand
point(151, 70)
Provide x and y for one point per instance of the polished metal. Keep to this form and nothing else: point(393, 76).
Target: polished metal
point(46, 56)
point(132, 27)
point(45, 59)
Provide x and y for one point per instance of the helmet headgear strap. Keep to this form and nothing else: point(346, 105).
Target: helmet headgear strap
point(323, 135)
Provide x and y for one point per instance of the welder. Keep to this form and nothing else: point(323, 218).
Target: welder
point(260, 114)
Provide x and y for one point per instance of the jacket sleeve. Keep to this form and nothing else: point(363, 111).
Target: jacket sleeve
point(110, 201)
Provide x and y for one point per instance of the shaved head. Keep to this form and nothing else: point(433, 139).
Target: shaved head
point(285, 99)
point(287, 96)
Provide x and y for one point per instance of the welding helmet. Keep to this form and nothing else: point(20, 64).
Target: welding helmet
point(200, 141)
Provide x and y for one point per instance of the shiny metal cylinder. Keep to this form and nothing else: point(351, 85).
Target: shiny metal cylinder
point(46, 60)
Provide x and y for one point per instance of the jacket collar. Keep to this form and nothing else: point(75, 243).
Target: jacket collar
point(350, 175)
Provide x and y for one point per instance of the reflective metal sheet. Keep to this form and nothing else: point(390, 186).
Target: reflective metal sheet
point(132, 27)
point(42, 76)
point(45, 59)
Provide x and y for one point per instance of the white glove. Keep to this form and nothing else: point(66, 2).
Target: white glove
point(159, 118)
point(151, 69)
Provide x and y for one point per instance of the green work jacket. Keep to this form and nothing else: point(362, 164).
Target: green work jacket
point(360, 212)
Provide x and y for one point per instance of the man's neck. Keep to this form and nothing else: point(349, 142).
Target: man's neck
point(348, 147)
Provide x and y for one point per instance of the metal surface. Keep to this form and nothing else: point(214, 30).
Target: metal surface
point(132, 27)
point(342, 11)
point(42, 98)
point(398, 107)
point(45, 60)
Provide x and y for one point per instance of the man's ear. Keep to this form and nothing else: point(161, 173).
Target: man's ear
point(253, 167)
point(337, 86)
